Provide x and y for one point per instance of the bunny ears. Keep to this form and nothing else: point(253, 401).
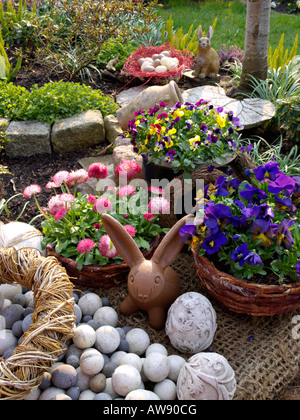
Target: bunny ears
point(209, 35)
point(165, 253)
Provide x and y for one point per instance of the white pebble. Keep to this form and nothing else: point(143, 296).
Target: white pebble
point(8, 291)
point(166, 390)
point(107, 339)
point(161, 69)
point(29, 299)
point(50, 393)
point(138, 341)
point(87, 395)
point(156, 367)
point(83, 380)
point(7, 339)
point(2, 323)
point(106, 316)
point(84, 336)
point(141, 395)
point(132, 359)
point(109, 389)
point(34, 395)
point(125, 379)
point(89, 303)
point(156, 348)
point(117, 356)
point(91, 362)
point(176, 363)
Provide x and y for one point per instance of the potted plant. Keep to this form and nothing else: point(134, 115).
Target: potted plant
point(251, 231)
point(185, 136)
point(73, 230)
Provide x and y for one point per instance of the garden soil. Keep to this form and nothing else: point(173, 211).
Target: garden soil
point(262, 351)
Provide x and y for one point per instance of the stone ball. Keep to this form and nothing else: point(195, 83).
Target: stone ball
point(107, 339)
point(176, 363)
point(90, 303)
point(206, 376)
point(73, 393)
point(19, 299)
point(8, 291)
point(3, 323)
point(61, 397)
point(102, 396)
point(126, 378)
point(138, 341)
point(91, 362)
point(7, 340)
point(156, 367)
point(27, 321)
point(87, 395)
point(141, 395)
point(191, 323)
point(50, 393)
point(1, 301)
point(166, 390)
point(106, 316)
point(98, 382)
point(64, 376)
point(132, 359)
point(83, 380)
point(156, 348)
point(84, 336)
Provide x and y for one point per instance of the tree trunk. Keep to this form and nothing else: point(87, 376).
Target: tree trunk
point(255, 62)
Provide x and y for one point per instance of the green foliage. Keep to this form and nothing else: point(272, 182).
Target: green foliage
point(280, 58)
point(115, 48)
point(7, 71)
point(290, 108)
point(178, 39)
point(52, 101)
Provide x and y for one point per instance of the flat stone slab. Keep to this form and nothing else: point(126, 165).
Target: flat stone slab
point(252, 112)
point(78, 132)
point(28, 138)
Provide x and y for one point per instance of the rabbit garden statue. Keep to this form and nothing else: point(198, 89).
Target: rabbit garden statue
point(152, 285)
point(207, 59)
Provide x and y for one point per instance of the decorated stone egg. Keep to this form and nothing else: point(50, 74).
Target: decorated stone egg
point(206, 376)
point(191, 323)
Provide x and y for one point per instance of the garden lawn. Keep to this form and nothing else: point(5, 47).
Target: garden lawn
point(230, 28)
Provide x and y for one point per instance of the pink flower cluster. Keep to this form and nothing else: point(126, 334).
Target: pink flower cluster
point(105, 246)
point(128, 169)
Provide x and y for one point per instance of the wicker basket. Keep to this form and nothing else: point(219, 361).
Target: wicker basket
point(106, 276)
point(243, 297)
point(52, 322)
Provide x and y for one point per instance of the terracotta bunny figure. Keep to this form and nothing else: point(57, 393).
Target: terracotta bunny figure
point(152, 285)
point(207, 59)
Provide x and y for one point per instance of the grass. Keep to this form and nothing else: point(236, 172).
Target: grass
point(230, 29)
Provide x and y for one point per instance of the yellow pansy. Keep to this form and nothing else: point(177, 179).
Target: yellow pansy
point(169, 144)
point(194, 139)
point(221, 121)
point(178, 113)
point(172, 131)
point(137, 123)
point(153, 130)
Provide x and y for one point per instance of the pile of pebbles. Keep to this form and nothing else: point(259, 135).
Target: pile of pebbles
point(159, 63)
point(102, 361)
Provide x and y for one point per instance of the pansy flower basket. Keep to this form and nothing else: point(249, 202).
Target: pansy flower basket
point(185, 136)
point(73, 230)
point(245, 239)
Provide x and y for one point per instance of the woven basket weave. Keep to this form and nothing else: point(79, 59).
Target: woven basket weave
point(52, 322)
point(244, 297)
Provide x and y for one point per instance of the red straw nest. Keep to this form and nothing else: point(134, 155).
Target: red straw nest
point(185, 58)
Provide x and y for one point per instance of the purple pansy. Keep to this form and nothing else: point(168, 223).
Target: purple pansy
point(213, 243)
point(282, 183)
point(298, 269)
point(284, 235)
point(254, 194)
point(269, 171)
point(187, 232)
point(263, 230)
point(240, 253)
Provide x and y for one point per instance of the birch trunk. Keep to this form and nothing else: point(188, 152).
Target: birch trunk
point(255, 62)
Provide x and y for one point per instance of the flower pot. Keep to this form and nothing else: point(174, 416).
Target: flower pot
point(106, 276)
point(245, 297)
point(160, 172)
point(147, 99)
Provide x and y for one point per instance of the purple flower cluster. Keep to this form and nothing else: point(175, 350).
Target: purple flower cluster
point(251, 224)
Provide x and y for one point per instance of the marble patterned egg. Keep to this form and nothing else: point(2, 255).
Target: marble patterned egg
point(206, 376)
point(191, 323)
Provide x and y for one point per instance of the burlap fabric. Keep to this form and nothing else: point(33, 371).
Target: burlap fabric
point(262, 351)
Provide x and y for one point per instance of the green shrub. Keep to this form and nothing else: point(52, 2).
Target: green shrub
point(115, 48)
point(52, 101)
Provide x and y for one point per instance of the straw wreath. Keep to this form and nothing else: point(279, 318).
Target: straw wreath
point(52, 322)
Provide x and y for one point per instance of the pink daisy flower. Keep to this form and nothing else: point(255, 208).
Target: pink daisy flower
point(85, 246)
point(60, 177)
point(156, 190)
point(130, 229)
point(97, 225)
point(60, 214)
point(98, 171)
point(103, 204)
point(159, 205)
point(107, 248)
point(77, 177)
point(67, 198)
point(31, 190)
point(51, 185)
point(128, 168)
point(126, 191)
point(91, 199)
point(55, 204)
point(149, 216)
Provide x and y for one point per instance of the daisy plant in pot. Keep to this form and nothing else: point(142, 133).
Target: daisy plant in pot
point(72, 224)
point(251, 228)
point(185, 136)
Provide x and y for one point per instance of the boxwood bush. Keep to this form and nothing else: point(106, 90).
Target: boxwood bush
point(52, 101)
